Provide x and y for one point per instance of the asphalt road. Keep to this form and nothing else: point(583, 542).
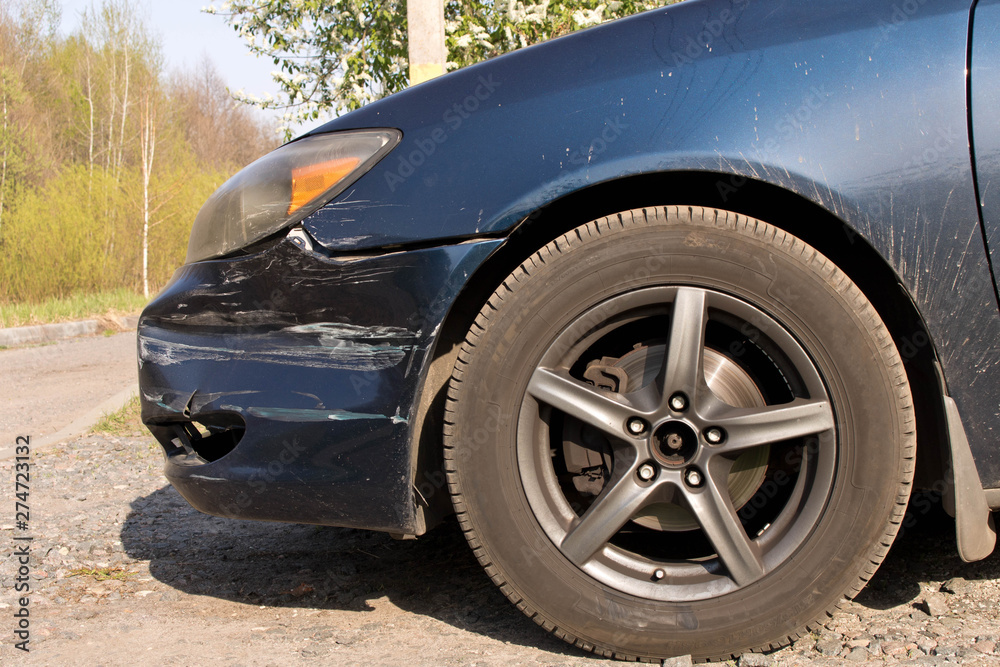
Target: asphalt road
point(46, 388)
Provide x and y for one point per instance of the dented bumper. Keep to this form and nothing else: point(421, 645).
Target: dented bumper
point(280, 385)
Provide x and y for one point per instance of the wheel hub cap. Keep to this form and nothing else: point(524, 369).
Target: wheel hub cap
point(674, 443)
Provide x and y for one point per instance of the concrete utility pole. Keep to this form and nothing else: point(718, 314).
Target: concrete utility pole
point(428, 54)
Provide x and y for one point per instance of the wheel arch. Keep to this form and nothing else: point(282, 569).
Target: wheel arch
point(782, 208)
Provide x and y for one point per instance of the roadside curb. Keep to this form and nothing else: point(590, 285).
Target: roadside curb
point(81, 424)
point(44, 333)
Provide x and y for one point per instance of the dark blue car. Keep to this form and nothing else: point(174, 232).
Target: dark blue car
point(674, 314)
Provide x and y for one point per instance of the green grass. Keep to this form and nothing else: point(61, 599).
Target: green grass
point(102, 573)
point(76, 307)
point(123, 423)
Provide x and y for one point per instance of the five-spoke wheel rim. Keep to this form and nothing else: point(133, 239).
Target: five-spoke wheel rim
point(674, 441)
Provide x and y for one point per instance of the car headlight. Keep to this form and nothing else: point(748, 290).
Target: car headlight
point(284, 187)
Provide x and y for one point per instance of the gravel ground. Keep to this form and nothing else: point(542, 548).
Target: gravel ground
point(195, 589)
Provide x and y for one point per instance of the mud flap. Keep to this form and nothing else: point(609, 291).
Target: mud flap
point(973, 521)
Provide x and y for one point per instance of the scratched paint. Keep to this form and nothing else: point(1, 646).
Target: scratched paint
point(330, 331)
point(319, 345)
point(303, 414)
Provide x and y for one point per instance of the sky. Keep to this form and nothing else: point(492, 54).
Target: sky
point(187, 35)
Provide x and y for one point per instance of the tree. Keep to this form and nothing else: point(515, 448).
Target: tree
point(336, 57)
point(478, 29)
point(222, 133)
point(103, 161)
point(124, 50)
point(22, 36)
point(11, 94)
point(331, 56)
point(147, 151)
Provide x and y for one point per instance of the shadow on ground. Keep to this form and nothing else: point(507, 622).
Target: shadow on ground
point(296, 566)
point(284, 565)
point(924, 551)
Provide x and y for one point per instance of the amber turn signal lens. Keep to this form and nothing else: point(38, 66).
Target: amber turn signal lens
point(284, 187)
point(313, 180)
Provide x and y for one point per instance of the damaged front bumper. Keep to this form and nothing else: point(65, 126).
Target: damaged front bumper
point(281, 384)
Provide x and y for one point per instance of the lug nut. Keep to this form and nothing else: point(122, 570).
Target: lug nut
point(636, 426)
point(646, 472)
point(714, 435)
point(659, 574)
point(693, 477)
point(678, 403)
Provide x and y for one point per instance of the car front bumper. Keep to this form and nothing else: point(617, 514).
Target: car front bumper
point(305, 371)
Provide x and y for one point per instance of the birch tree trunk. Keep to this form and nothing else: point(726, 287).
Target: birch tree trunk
point(147, 149)
point(90, 127)
point(6, 151)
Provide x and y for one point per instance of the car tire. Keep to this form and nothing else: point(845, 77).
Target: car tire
point(678, 431)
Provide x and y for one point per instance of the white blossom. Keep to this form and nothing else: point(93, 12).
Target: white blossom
point(534, 13)
point(588, 17)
